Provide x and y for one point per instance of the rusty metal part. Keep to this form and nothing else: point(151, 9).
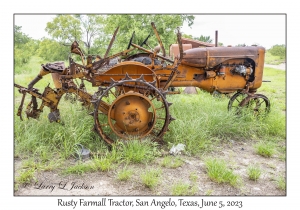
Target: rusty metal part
point(180, 45)
point(150, 52)
point(145, 41)
point(34, 81)
point(111, 42)
point(158, 38)
point(98, 64)
point(196, 43)
point(132, 114)
point(32, 110)
point(216, 39)
point(258, 104)
point(21, 105)
point(210, 74)
point(130, 41)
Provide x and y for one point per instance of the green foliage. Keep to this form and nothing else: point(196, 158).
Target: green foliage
point(187, 36)
point(204, 39)
point(64, 28)
point(26, 176)
point(135, 151)
point(103, 163)
point(193, 177)
point(141, 24)
point(183, 189)
point(220, 44)
point(278, 50)
point(51, 50)
point(124, 174)
point(79, 169)
point(24, 47)
point(92, 27)
point(218, 171)
point(241, 45)
point(281, 183)
point(254, 172)
point(151, 177)
point(265, 149)
point(171, 162)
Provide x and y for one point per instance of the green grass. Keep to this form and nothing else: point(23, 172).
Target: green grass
point(171, 162)
point(124, 174)
point(254, 172)
point(151, 178)
point(271, 59)
point(209, 192)
point(265, 149)
point(103, 163)
point(183, 189)
point(281, 183)
point(218, 171)
point(80, 169)
point(193, 177)
point(26, 176)
point(136, 151)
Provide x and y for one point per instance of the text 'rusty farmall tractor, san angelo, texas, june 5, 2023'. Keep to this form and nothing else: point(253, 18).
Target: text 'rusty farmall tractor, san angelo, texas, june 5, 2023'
point(131, 97)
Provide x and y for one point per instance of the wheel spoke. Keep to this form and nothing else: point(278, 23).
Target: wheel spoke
point(133, 114)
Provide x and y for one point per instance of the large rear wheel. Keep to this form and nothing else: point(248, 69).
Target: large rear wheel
point(138, 111)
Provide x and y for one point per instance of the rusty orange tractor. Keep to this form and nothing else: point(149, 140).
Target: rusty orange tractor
point(131, 98)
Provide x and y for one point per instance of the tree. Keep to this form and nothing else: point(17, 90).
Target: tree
point(220, 44)
point(141, 25)
point(64, 29)
point(24, 46)
point(51, 50)
point(95, 31)
point(278, 50)
point(187, 36)
point(92, 27)
point(204, 39)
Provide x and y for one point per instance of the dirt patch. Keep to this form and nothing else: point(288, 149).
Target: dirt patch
point(281, 66)
point(238, 155)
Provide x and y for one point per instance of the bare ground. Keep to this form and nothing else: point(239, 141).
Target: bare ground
point(239, 155)
point(281, 66)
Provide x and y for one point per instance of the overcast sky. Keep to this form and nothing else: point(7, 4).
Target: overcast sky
point(265, 30)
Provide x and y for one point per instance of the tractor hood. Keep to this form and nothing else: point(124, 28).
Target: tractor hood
point(212, 56)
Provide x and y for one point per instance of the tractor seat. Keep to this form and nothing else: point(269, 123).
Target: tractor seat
point(54, 67)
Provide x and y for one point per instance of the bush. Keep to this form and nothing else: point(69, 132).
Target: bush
point(278, 50)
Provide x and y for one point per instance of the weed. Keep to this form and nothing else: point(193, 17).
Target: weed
point(171, 162)
point(151, 177)
point(104, 163)
point(220, 173)
point(26, 176)
point(124, 174)
point(183, 189)
point(254, 172)
point(281, 184)
point(193, 177)
point(79, 169)
point(265, 149)
point(209, 192)
point(136, 151)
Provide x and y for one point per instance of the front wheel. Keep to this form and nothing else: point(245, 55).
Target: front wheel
point(258, 104)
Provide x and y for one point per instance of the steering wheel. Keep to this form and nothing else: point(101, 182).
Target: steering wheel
point(130, 41)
